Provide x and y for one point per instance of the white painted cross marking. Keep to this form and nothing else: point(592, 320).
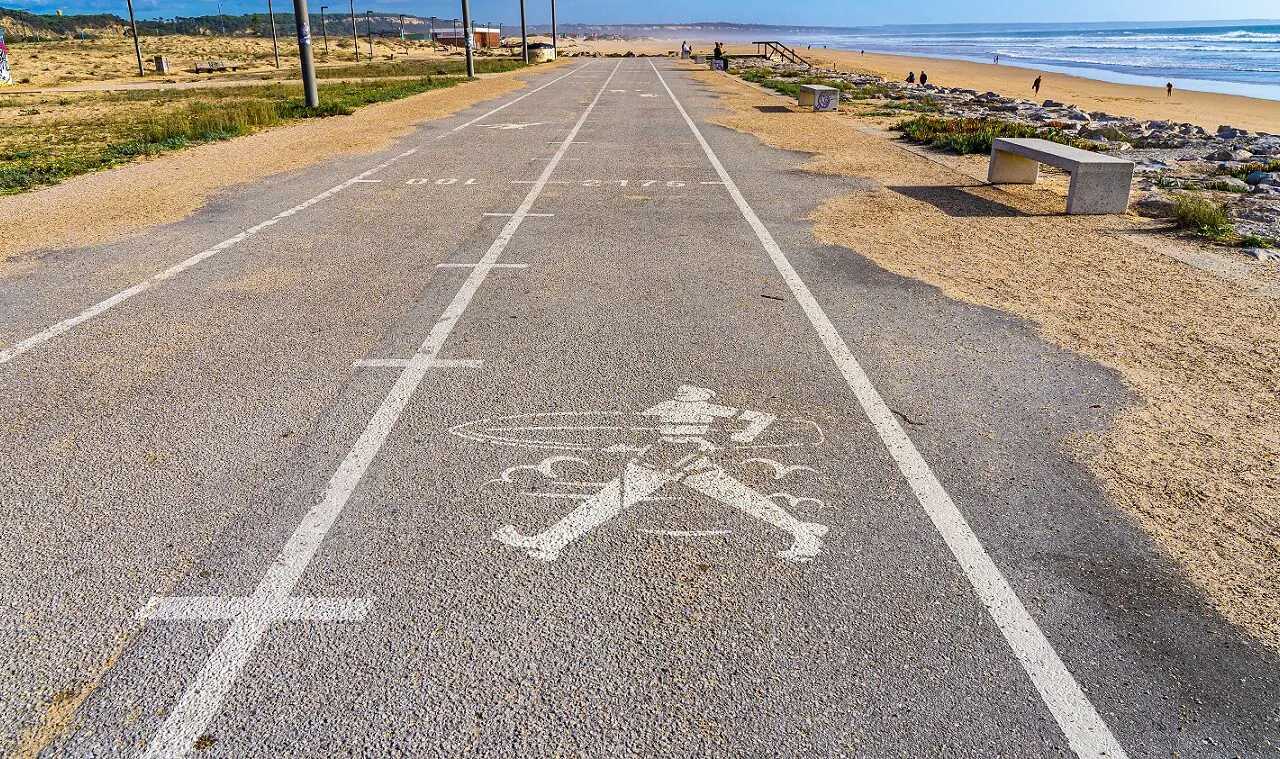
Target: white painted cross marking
point(505, 127)
point(1087, 734)
point(203, 698)
point(434, 363)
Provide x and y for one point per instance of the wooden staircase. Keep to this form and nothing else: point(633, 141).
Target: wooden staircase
point(770, 48)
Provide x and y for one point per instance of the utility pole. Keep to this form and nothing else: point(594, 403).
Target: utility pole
point(524, 34)
point(555, 41)
point(324, 30)
point(275, 43)
point(368, 28)
point(303, 20)
point(470, 38)
point(355, 37)
point(137, 46)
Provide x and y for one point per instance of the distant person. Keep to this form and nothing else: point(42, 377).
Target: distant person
point(997, 58)
point(685, 49)
point(1036, 85)
point(718, 53)
point(911, 78)
point(862, 52)
point(924, 79)
point(1168, 89)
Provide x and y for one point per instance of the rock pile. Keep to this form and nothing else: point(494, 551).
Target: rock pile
point(1170, 156)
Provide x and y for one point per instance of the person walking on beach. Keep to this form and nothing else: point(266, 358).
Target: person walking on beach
point(924, 79)
point(1036, 85)
point(997, 58)
point(911, 78)
point(1168, 89)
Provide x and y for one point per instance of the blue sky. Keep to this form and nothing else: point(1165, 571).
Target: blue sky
point(800, 12)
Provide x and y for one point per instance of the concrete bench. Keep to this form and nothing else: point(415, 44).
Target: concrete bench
point(1099, 183)
point(209, 67)
point(819, 97)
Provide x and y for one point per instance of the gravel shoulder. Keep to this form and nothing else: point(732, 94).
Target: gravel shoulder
point(1197, 459)
point(113, 204)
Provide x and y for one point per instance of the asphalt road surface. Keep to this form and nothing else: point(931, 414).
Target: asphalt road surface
point(553, 432)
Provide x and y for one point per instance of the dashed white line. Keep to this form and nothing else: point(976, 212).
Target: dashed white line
point(66, 325)
point(1087, 734)
point(203, 699)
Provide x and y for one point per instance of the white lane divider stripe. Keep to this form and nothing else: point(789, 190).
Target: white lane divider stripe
point(67, 325)
point(1087, 734)
point(202, 700)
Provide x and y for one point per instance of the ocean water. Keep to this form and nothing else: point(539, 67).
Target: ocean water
point(1241, 59)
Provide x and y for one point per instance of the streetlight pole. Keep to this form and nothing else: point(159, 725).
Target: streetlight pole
point(368, 28)
point(137, 46)
point(275, 43)
point(355, 36)
point(303, 20)
point(524, 34)
point(432, 34)
point(470, 38)
point(555, 41)
point(324, 30)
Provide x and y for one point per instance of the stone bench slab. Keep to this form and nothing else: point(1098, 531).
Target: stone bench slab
point(1099, 183)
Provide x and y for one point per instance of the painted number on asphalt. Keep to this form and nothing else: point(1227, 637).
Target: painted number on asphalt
point(443, 181)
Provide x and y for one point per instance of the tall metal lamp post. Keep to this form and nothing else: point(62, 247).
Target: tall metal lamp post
point(524, 33)
point(275, 43)
point(469, 38)
point(303, 20)
point(137, 46)
point(555, 40)
point(355, 37)
point(324, 30)
point(368, 28)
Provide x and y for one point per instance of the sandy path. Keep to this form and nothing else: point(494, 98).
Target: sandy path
point(100, 207)
point(1197, 460)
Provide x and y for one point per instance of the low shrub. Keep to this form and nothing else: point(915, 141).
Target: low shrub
point(1201, 216)
point(975, 135)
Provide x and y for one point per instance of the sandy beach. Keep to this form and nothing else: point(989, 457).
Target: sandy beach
point(1206, 109)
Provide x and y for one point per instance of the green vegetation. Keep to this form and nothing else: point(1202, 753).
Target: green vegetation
point(410, 67)
point(1249, 168)
point(788, 83)
point(975, 135)
point(1202, 217)
point(150, 122)
point(896, 107)
point(1253, 241)
point(1224, 187)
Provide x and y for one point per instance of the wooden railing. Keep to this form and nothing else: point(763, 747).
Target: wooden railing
point(770, 48)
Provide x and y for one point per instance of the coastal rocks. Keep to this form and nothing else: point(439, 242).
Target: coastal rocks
point(1169, 157)
point(1227, 154)
point(1154, 206)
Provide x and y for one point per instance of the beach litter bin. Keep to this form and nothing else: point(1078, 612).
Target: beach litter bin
point(541, 52)
point(819, 97)
point(719, 64)
point(162, 64)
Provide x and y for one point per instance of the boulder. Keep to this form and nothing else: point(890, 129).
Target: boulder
point(1154, 206)
point(1051, 104)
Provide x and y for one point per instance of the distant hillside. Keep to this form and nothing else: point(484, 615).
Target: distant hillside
point(22, 26)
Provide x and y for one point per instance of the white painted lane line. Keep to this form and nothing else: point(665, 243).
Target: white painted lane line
point(67, 325)
point(436, 363)
point(372, 181)
point(539, 215)
point(203, 699)
point(1088, 736)
point(491, 266)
